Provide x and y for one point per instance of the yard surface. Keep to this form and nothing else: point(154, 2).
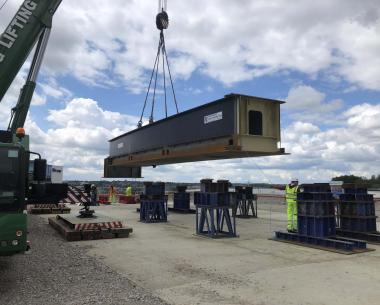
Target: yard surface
point(166, 261)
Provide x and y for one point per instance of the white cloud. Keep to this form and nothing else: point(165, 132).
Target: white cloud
point(361, 48)
point(11, 97)
point(78, 139)
point(352, 148)
point(304, 97)
point(107, 44)
point(183, 66)
point(364, 117)
point(304, 103)
point(52, 89)
point(44, 92)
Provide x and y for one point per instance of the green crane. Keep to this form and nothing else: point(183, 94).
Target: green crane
point(30, 25)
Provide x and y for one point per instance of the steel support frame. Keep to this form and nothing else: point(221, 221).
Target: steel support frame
point(211, 221)
point(154, 211)
point(244, 206)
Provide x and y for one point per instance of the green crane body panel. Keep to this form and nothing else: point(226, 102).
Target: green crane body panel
point(21, 35)
point(13, 172)
point(10, 223)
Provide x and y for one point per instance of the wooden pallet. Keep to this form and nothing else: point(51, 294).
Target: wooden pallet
point(72, 234)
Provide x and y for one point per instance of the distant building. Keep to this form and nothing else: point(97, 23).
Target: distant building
point(54, 173)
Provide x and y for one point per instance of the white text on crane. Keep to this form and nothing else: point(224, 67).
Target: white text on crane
point(8, 38)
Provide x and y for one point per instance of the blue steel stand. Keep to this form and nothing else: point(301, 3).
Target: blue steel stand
point(181, 203)
point(153, 211)
point(245, 206)
point(210, 221)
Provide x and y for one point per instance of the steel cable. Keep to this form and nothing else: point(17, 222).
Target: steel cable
point(161, 50)
point(155, 84)
point(150, 82)
point(170, 75)
point(163, 72)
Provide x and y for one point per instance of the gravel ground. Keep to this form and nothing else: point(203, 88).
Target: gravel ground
point(57, 272)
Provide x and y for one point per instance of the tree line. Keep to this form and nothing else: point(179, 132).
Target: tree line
point(373, 182)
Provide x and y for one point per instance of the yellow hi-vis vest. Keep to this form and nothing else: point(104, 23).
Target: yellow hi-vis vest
point(291, 194)
point(128, 191)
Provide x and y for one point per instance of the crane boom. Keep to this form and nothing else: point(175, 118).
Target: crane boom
point(20, 111)
point(18, 39)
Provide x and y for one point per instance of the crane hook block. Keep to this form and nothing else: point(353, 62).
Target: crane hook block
point(162, 21)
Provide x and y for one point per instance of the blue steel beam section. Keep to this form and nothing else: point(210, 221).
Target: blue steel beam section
point(373, 238)
point(360, 244)
point(316, 241)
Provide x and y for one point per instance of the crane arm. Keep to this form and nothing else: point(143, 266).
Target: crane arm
point(31, 23)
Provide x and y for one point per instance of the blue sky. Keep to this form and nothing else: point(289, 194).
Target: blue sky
point(322, 58)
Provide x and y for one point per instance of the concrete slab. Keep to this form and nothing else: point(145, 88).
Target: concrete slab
point(182, 268)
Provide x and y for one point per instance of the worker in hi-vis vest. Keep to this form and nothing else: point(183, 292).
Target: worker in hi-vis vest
point(291, 201)
point(112, 194)
point(128, 190)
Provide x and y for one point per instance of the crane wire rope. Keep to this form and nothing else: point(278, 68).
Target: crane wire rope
point(162, 23)
point(270, 182)
point(155, 86)
point(163, 72)
point(171, 79)
point(270, 206)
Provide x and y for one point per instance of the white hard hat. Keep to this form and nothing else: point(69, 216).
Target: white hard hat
point(294, 180)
